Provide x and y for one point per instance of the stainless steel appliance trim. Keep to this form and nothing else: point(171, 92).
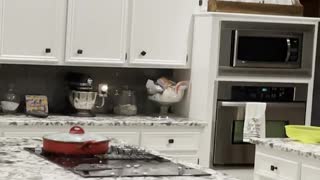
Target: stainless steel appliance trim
point(266, 33)
point(294, 93)
point(288, 50)
point(289, 65)
point(269, 104)
point(235, 47)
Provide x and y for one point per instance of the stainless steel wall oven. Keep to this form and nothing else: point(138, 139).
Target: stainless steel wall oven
point(286, 104)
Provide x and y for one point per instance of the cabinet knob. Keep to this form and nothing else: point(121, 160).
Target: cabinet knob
point(80, 51)
point(273, 168)
point(171, 141)
point(200, 2)
point(143, 53)
point(48, 50)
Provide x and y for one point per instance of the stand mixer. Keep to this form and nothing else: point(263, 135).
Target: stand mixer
point(81, 95)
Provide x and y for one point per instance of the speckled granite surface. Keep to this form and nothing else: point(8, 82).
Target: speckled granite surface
point(289, 145)
point(16, 164)
point(54, 120)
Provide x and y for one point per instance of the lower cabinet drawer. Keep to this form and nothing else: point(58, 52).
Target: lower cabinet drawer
point(128, 137)
point(175, 141)
point(309, 172)
point(271, 167)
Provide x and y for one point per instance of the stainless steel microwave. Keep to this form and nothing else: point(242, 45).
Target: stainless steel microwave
point(266, 49)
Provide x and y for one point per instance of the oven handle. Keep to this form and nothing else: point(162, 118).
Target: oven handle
point(269, 104)
point(235, 50)
point(288, 50)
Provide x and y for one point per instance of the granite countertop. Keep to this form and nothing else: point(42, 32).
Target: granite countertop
point(289, 145)
point(100, 120)
point(16, 163)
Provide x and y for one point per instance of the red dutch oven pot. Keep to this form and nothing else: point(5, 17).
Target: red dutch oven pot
point(76, 142)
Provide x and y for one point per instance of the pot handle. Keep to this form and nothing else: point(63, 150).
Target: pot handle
point(76, 130)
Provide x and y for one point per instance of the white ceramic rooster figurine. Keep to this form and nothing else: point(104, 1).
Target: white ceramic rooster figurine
point(170, 95)
point(166, 92)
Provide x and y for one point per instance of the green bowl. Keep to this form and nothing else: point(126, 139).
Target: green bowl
point(305, 134)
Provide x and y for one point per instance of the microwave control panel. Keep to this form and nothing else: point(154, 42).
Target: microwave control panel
point(264, 94)
point(294, 49)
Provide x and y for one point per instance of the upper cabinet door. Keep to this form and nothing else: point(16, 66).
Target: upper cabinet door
point(32, 31)
point(96, 32)
point(161, 32)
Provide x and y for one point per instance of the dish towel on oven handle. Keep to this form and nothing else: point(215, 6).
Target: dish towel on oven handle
point(254, 121)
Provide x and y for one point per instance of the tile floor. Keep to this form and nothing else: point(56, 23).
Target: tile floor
point(242, 173)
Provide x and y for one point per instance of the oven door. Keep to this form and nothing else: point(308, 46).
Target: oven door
point(264, 49)
point(229, 149)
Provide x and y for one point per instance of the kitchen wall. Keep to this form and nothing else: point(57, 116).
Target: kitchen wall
point(49, 80)
point(311, 7)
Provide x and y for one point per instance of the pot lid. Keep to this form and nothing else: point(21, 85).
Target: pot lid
point(77, 135)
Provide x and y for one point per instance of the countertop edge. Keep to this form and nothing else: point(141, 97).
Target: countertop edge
point(289, 146)
point(100, 121)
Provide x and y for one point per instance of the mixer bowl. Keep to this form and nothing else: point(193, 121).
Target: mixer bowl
point(82, 100)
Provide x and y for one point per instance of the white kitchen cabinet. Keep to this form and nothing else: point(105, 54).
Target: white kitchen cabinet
point(309, 172)
point(183, 146)
point(171, 141)
point(96, 32)
point(180, 143)
point(271, 167)
point(274, 164)
point(147, 33)
point(128, 137)
point(32, 31)
point(161, 32)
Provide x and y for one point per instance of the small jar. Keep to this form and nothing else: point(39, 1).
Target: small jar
point(126, 103)
point(11, 101)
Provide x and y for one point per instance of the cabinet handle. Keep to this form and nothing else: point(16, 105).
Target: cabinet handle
point(200, 2)
point(273, 168)
point(48, 50)
point(80, 51)
point(143, 53)
point(171, 141)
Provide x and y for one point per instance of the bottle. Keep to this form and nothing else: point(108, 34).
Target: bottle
point(11, 100)
point(126, 103)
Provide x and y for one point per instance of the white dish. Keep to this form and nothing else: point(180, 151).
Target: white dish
point(8, 106)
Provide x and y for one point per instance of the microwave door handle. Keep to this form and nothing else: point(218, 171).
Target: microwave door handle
point(288, 50)
point(235, 47)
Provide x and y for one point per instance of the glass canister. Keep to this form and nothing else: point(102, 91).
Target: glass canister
point(11, 100)
point(126, 103)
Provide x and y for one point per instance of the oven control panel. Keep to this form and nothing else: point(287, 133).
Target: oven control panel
point(265, 94)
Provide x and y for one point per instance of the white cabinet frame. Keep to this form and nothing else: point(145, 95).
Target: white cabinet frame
point(91, 61)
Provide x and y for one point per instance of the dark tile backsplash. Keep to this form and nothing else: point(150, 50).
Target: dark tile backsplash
point(49, 81)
